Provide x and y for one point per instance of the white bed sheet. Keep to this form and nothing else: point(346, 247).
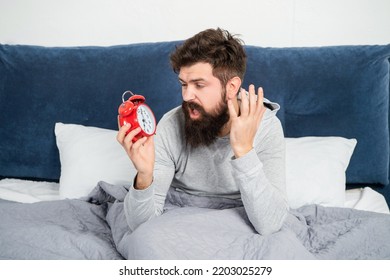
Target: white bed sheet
point(366, 199)
point(28, 191)
point(31, 191)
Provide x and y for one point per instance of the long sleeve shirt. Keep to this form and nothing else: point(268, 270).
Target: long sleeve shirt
point(257, 178)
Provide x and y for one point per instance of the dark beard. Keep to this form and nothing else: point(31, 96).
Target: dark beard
point(203, 131)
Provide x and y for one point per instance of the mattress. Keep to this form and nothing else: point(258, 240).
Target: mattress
point(26, 191)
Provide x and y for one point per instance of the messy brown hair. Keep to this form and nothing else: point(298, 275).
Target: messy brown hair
point(223, 51)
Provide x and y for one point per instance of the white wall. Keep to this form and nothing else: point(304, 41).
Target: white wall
point(277, 23)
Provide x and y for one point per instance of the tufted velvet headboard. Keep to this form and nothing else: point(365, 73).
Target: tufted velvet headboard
point(323, 91)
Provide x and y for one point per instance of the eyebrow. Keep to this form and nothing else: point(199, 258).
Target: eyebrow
point(193, 80)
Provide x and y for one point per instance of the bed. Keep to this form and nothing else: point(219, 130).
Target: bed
point(63, 176)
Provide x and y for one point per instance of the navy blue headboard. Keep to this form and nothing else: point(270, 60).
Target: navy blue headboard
point(324, 91)
point(41, 86)
point(332, 91)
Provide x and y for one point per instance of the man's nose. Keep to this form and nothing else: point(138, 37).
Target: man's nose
point(188, 94)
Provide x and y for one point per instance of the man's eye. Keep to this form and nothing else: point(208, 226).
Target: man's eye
point(199, 85)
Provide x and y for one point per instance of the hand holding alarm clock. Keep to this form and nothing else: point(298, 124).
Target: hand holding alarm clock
point(135, 112)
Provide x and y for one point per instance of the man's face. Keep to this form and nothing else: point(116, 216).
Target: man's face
point(204, 104)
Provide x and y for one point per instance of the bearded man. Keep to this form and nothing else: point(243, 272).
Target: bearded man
point(222, 143)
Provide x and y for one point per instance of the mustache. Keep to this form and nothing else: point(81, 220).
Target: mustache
point(188, 105)
point(192, 106)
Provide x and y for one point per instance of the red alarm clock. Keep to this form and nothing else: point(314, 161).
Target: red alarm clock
point(135, 112)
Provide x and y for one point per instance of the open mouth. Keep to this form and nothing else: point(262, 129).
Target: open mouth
point(195, 111)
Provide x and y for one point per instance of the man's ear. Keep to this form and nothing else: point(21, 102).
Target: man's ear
point(232, 87)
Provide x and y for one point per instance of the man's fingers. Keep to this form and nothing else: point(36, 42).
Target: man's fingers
point(252, 99)
point(260, 101)
point(140, 142)
point(150, 140)
point(260, 95)
point(122, 133)
point(260, 110)
point(133, 133)
point(244, 108)
point(129, 138)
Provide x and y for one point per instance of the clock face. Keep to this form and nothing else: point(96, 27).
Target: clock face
point(146, 119)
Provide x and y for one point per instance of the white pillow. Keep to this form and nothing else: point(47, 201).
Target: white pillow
point(89, 155)
point(315, 170)
point(315, 166)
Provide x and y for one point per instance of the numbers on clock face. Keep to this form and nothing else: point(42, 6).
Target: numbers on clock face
point(146, 119)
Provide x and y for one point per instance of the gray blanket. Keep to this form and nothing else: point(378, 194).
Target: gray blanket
point(190, 228)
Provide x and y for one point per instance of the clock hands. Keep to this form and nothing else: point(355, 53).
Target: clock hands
point(146, 122)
